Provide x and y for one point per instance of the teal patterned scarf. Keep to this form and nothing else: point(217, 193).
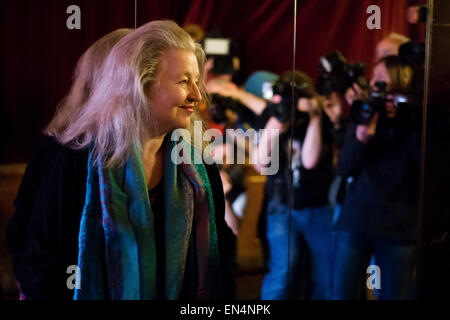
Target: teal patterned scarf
point(117, 255)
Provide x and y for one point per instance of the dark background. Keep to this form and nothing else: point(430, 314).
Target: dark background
point(39, 52)
point(434, 210)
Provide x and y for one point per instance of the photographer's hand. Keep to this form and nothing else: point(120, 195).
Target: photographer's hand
point(364, 133)
point(355, 93)
point(312, 106)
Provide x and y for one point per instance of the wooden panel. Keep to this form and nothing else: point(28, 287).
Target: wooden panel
point(434, 276)
point(10, 177)
point(249, 252)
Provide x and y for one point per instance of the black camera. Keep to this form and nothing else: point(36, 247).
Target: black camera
point(362, 111)
point(231, 112)
point(290, 92)
point(219, 107)
point(339, 75)
point(408, 107)
point(413, 53)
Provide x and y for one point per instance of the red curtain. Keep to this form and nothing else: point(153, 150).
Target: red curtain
point(264, 29)
point(38, 51)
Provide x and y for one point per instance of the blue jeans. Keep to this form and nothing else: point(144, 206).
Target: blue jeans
point(307, 275)
point(353, 251)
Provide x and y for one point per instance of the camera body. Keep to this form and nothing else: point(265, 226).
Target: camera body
point(339, 75)
point(231, 113)
point(408, 107)
point(290, 93)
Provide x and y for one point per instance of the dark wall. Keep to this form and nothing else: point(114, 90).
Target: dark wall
point(434, 272)
point(37, 58)
point(39, 53)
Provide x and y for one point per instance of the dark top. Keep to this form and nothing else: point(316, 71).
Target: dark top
point(156, 196)
point(382, 197)
point(42, 235)
point(310, 187)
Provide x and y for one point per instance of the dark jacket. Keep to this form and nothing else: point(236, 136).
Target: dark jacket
point(42, 235)
point(382, 197)
point(312, 187)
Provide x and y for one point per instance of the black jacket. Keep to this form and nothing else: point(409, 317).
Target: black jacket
point(383, 195)
point(42, 235)
point(312, 187)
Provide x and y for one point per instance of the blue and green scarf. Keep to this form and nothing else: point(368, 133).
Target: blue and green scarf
point(117, 254)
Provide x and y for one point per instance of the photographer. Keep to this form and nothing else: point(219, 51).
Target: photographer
point(303, 270)
point(339, 80)
point(233, 106)
point(379, 214)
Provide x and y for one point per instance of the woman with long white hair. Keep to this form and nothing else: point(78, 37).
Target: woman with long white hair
point(113, 206)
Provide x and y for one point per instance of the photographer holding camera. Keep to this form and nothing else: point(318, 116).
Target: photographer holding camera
point(299, 246)
point(338, 78)
point(379, 212)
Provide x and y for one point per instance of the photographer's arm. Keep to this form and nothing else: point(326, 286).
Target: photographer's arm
point(254, 103)
point(230, 217)
point(229, 89)
point(354, 149)
point(312, 145)
point(272, 129)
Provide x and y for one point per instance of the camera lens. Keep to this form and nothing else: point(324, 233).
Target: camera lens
point(366, 111)
point(361, 112)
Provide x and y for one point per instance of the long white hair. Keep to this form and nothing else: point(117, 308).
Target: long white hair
point(87, 69)
point(116, 117)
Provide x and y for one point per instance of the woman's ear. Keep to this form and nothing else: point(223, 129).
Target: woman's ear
point(149, 86)
point(146, 90)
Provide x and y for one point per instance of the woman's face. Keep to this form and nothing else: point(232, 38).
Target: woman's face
point(334, 108)
point(174, 95)
point(380, 74)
